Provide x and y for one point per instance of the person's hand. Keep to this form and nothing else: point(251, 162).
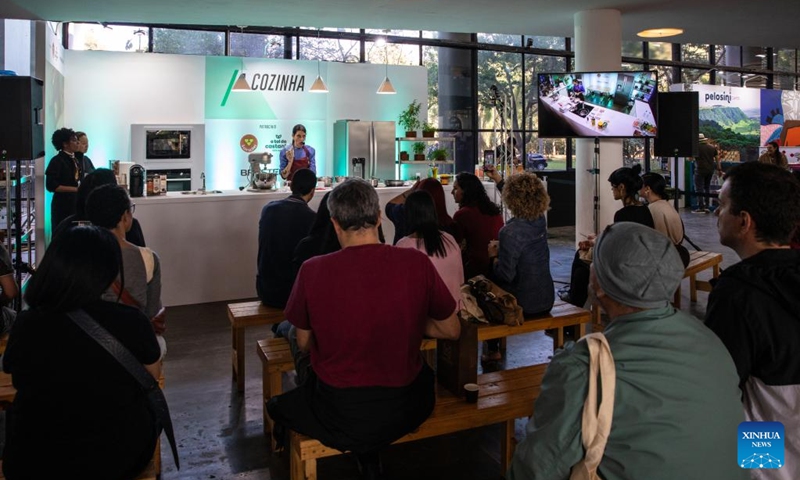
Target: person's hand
point(290, 154)
point(491, 172)
point(159, 321)
point(494, 248)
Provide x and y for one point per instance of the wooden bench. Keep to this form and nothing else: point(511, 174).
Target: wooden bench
point(276, 358)
point(562, 315)
point(243, 315)
point(698, 262)
point(503, 397)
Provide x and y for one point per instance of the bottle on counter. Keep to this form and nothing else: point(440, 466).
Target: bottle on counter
point(149, 186)
point(164, 184)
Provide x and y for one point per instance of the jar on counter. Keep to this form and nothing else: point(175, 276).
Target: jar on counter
point(149, 186)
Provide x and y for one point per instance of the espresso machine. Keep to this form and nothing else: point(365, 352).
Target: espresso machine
point(137, 181)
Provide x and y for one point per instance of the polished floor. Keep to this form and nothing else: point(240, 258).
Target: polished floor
point(219, 432)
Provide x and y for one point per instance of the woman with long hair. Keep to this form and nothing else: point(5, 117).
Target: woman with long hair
point(480, 221)
point(395, 210)
point(107, 431)
point(428, 237)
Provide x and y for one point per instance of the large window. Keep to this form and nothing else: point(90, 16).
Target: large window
point(115, 38)
point(188, 42)
point(329, 49)
point(256, 45)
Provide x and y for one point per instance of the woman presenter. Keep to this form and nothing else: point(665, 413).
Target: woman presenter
point(298, 155)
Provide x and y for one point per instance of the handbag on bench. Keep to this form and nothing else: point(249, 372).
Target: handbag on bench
point(121, 354)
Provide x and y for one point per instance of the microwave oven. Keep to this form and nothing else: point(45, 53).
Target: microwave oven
point(168, 144)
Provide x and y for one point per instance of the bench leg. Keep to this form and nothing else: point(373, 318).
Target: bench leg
point(559, 337)
point(693, 288)
point(275, 382)
point(507, 446)
point(503, 344)
point(302, 469)
point(581, 330)
point(238, 357)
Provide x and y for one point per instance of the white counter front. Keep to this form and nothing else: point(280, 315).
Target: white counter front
point(208, 243)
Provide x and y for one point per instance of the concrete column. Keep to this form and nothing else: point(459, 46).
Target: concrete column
point(598, 47)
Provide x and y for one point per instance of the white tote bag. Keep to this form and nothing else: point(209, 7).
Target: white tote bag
point(596, 421)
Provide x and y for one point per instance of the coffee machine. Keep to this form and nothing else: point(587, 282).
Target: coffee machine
point(137, 180)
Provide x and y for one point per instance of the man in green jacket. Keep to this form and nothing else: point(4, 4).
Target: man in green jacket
point(677, 403)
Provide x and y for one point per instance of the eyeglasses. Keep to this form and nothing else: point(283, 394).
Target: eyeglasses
point(133, 208)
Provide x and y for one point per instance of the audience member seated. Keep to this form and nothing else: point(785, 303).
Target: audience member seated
point(110, 207)
point(395, 210)
point(282, 225)
point(754, 307)
point(521, 259)
point(363, 325)
point(77, 412)
point(479, 220)
point(97, 178)
point(438, 245)
point(625, 182)
point(676, 405)
point(665, 218)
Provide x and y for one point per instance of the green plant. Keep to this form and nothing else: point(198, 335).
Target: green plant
point(409, 118)
point(437, 154)
point(418, 147)
point(428, 128)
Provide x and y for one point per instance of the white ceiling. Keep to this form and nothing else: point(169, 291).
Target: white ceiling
point(721, 22)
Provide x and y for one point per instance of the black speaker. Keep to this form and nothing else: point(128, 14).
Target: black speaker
point(21, 121)
point(678, 122)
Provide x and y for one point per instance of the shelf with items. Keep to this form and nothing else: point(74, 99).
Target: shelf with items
point(17, 217)
point(430, 143)
point(426, 162)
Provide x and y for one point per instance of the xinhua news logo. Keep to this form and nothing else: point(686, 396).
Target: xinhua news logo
point(761, 445)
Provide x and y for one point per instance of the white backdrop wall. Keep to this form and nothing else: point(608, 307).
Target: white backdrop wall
point(106, 92)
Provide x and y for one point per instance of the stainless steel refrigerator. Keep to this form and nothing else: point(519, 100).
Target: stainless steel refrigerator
point(372, 141)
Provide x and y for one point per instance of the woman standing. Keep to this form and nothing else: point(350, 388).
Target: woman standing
point(108, 431)
point(80, 153)
point(774, 156)
point(478, 219)
point(298, 155)
point(63, 176)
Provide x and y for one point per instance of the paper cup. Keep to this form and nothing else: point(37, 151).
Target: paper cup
point(471, 392)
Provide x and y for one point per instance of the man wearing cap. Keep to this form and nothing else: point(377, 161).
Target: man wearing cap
point(755, 306)
point(704, 166)
point(676, 409)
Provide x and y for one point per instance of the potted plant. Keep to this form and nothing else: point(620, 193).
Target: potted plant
point(409, 119)
point(438, 154)
point(419, 150)
point(403, 156)
point(428, 130)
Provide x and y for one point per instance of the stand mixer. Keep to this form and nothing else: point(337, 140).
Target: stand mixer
point(259, 175)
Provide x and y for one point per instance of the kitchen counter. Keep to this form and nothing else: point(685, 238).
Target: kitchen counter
point(208, 244)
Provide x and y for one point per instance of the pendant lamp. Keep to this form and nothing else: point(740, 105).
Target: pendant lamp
point(241, 84)
point(386, 88)
point(319, 85)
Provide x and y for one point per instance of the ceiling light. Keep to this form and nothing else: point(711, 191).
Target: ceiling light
point(386, 87)
point(319, 85)
point(660, 32)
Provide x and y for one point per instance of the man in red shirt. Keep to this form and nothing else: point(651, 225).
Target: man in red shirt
point(362, 313)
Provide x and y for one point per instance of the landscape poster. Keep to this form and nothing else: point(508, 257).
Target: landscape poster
point(730, 118)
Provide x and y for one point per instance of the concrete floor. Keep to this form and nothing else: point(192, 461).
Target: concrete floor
point(220, 432)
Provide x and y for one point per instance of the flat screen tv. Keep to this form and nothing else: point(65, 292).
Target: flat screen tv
point(598, 104)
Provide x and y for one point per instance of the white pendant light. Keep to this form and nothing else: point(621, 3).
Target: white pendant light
point(386, 87)
point(319, 85)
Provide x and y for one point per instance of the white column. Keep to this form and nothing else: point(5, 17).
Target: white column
point(598, 47)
